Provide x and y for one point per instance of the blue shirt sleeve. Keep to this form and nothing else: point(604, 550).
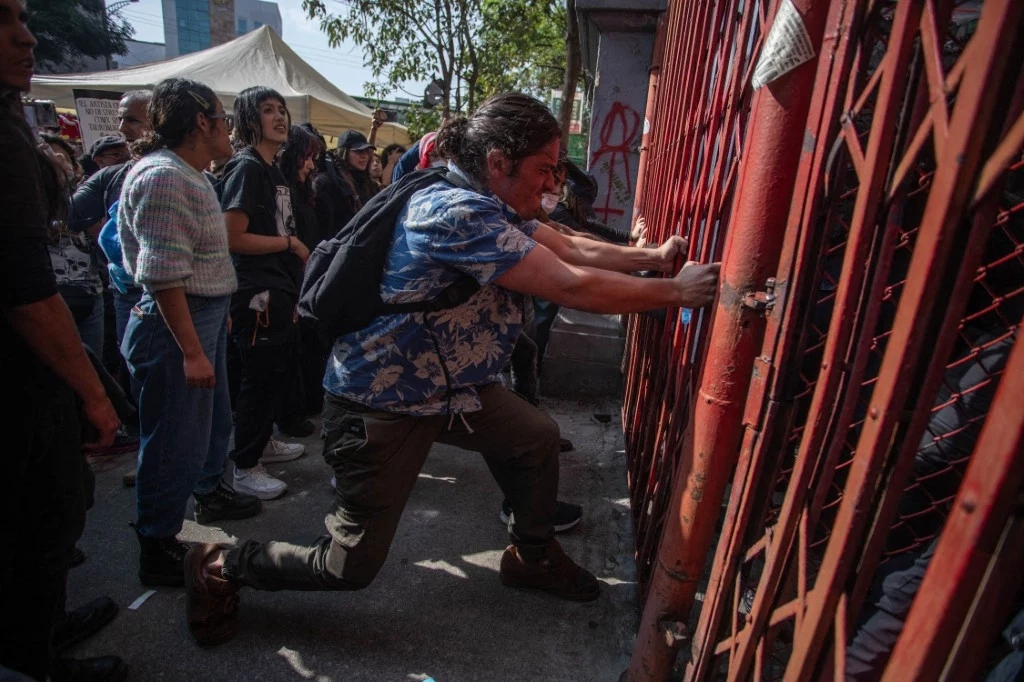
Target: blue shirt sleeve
point(407, 163)
point(470, 233)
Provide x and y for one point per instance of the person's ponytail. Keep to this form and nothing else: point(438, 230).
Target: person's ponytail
point(147, 144)
point(514, 124)
point(451, 138)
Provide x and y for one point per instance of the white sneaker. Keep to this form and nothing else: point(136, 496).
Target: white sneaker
point(258, 482)
point(279, 451)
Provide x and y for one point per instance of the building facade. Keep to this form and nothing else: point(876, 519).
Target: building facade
point(194, 25)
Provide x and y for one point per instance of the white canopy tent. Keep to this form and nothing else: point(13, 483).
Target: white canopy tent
point(257, 58)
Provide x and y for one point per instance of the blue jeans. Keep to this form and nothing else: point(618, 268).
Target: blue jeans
point(184, 431)
point(123, 304)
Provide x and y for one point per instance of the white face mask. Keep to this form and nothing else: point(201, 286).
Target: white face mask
point(548, 202)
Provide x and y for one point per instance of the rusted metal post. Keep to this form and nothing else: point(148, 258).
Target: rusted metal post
point(771, 157)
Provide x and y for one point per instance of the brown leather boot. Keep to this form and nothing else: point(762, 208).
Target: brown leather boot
point(211, 602)
point(556, 574)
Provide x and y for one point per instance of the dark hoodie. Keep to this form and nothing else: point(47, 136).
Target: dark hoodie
point(340, 193)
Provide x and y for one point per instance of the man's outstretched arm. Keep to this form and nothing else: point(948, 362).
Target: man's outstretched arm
point(576, 249)
point(543, 274)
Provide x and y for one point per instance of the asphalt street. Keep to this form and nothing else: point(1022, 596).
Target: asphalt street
point(437, 609)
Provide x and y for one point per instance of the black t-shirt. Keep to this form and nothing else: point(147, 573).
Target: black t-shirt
point(306, 224)
point(25, 273)
point(258, 189)
point(94, 197)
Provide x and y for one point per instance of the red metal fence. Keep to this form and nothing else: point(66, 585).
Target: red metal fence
point(868, 207)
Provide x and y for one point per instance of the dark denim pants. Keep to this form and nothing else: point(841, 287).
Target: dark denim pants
point(184, 431)
point(377, 457)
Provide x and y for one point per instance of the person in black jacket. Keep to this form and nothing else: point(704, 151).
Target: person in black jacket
point(344, 183)
point(60, 399)
point(90, 209)
point(269, 259)
point(298, 162)
point(91, 202)
point(570, 206)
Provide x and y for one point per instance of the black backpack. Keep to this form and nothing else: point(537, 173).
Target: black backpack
point(341, 286)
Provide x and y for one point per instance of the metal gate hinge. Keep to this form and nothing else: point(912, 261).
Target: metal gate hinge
point(761, 300)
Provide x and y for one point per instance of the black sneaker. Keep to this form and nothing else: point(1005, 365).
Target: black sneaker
point(100, 669)
point(161, 561)
point(567, 515)
point(84, 622)
point(298, 428)
point(225, 503)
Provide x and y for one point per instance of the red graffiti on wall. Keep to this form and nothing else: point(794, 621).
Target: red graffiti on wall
point(618, 135)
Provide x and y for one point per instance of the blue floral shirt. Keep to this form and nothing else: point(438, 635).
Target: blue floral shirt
point(394, 365)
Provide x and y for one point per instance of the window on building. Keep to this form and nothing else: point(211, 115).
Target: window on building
point(193, 19)
point(256, 25)
point(243, 26)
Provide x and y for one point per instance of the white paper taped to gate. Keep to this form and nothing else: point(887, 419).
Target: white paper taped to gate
point(786, 47)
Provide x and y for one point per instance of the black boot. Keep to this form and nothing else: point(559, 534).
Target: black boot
point(83, 622)
point(161, 561)
point(225, 503)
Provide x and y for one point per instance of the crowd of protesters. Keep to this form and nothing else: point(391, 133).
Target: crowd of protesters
point(187, 237)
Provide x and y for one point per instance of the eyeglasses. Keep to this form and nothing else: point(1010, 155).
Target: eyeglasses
point(229, 119)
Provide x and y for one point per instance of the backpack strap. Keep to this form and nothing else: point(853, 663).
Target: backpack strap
point(456, 293)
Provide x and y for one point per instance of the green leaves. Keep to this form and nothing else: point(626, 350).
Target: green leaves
point(475, 48)
point(68, 30)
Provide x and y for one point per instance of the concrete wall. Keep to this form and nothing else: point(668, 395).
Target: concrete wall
point(170, 28)
point(617, 119)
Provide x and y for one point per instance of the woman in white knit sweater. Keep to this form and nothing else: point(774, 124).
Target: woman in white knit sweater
point(175, 246)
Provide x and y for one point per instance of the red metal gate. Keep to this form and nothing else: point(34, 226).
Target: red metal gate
point(868, 207)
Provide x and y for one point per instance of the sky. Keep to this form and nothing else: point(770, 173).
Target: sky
point(342, 66)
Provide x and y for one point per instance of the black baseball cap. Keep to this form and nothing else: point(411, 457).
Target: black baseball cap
point(356, 141)
point(104, 143)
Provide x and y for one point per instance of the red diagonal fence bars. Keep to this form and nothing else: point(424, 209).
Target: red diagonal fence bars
point(842, 430)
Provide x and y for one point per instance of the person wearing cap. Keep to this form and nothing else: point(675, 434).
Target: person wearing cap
point(570, 209)
point(90, 210)
point(346, 183)
point(111, 150)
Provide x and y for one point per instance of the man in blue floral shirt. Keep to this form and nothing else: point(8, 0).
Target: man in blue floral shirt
point(395, 364)
point(410, 380)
